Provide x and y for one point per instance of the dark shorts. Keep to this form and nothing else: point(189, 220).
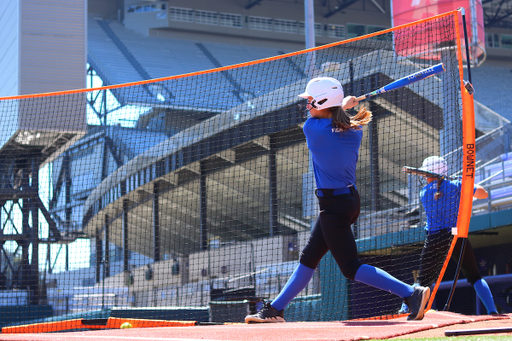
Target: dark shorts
point(434, 253)
point(332, 232)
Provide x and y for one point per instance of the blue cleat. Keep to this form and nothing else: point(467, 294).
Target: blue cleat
point(267, 314)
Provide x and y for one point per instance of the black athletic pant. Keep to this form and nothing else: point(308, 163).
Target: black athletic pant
point(434, 253)
point(332, 232)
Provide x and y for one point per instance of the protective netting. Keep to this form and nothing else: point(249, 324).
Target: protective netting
point(197, 206)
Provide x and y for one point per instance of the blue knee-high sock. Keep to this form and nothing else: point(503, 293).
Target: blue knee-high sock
point(485, 295)
point(380, 279)
point(296, 283)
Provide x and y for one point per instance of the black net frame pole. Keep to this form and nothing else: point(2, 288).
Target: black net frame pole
point(457, 272)
point(464, 239)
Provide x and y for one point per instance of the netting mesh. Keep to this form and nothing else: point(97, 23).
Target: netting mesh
point(190, 198)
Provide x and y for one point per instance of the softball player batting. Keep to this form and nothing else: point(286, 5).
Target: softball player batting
point(440, 199)
point(334, 138)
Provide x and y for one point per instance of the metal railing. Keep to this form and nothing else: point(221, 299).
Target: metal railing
point(495, 176)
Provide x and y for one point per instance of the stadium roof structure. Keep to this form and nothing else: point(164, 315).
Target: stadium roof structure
point(222, 148)
point(119, 56)
point(497, 13)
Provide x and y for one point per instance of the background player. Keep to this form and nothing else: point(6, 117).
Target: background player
point(440, 199)
point(333, 138)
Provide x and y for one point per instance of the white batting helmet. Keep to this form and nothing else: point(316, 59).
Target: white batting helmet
point(435, 164)
point(327, 92)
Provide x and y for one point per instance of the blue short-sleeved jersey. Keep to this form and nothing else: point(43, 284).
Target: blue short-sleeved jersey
point(441, 213)
point(334, 153)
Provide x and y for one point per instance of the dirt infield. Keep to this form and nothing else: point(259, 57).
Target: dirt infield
point(433, 325)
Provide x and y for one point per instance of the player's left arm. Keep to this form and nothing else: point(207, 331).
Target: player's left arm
point(480, 192)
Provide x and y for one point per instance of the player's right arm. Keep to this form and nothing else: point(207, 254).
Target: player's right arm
point(480, 192)
point(349, 102)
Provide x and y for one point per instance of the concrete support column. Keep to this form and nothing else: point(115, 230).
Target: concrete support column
point(272, 188)
point(106, 258)
point(450, 136)
point(34, 235)
point(126, 250)
point(203, 210)
point(99, 254)
point(373, 145)
point(68, 211)
point(156, 222)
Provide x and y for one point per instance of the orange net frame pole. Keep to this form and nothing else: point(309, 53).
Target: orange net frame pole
point(468, 170)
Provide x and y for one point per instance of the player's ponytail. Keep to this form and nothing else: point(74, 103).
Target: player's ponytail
point(341, 121)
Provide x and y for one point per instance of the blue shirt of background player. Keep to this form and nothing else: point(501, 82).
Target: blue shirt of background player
point(441, 213)
point(334, 154)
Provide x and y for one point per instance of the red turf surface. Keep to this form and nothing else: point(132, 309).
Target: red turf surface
point(347, 330)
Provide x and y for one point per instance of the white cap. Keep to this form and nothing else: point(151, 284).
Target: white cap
point(326, 92)
point(435, 164)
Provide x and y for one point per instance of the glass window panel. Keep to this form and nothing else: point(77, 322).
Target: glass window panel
point(355, 30)
point(506, 41)
point(372, 29)
point(492, 40)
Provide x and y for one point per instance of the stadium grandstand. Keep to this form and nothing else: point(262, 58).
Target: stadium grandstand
point(134, 138)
